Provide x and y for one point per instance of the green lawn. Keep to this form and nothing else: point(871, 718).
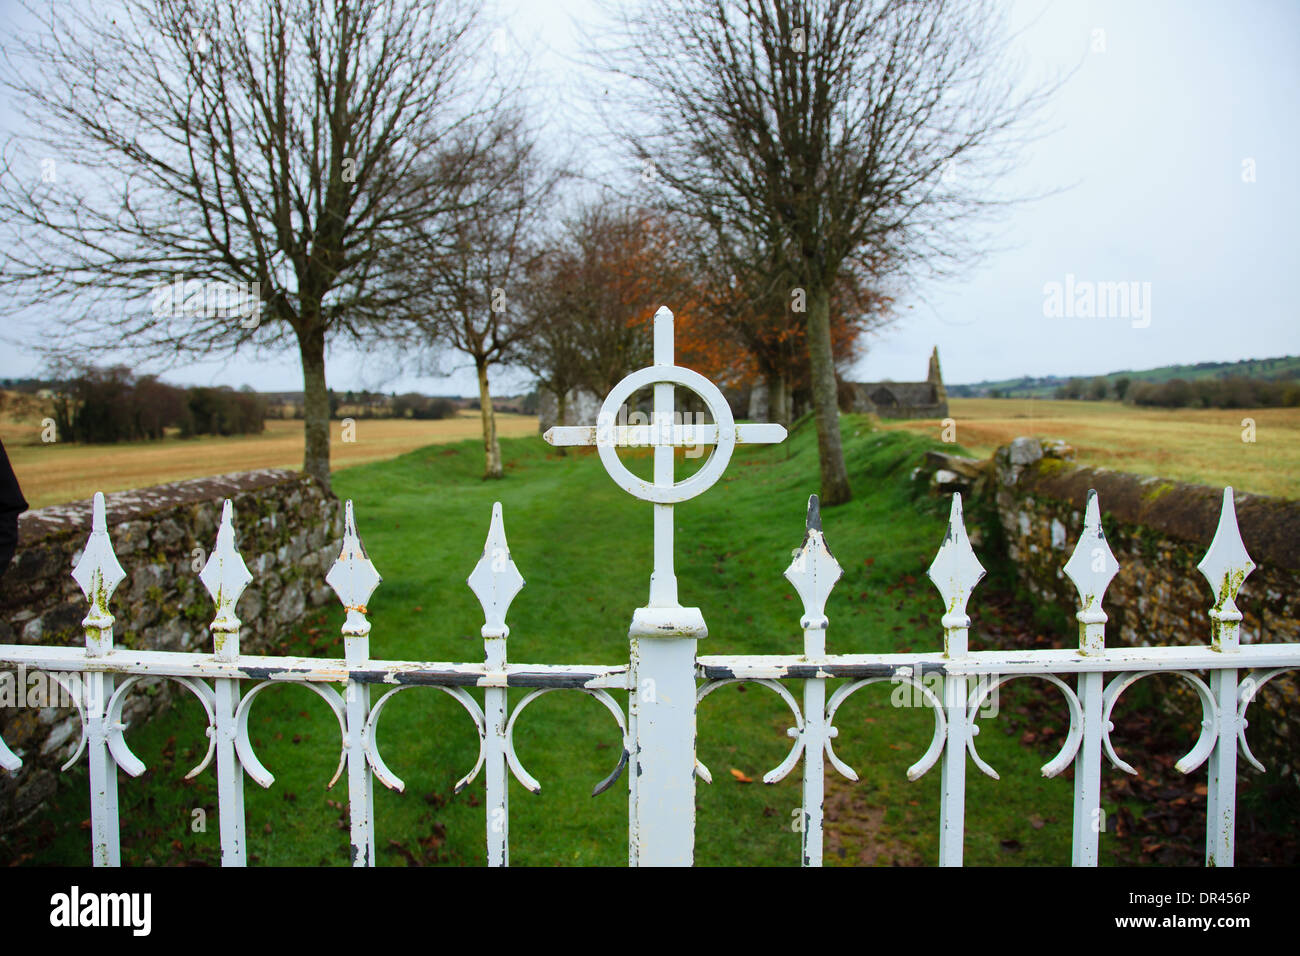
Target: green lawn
point(584, 548)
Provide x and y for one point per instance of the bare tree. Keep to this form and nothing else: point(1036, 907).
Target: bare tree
point(593, 292)
point(745, 328)
point(462, 274)
point(554, 350)
point(270, 147)
point(834, 127)
point(624, 270)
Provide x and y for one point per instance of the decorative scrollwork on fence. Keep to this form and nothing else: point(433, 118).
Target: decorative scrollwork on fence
point(1073, 737)
point(1246, 693)
point(244, 747)
point(527, 779)
point(931, 755)
point(8, 759)
point(75, 693)
point(791, 760)
point(1209, 719)
point(123, 755)
point(391, 780)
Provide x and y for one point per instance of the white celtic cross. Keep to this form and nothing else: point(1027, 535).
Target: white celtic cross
point(664, 434)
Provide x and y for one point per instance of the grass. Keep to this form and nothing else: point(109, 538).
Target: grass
point(584, 548)
point(1203, 446)
point(61, 471)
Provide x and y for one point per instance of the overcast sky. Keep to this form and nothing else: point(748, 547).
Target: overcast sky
point(1173, 151)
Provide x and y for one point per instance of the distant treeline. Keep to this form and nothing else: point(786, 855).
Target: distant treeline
point(105, 405)
point(414, 405)
point(1234, 392)
point(367, 404)
point(1279, 369)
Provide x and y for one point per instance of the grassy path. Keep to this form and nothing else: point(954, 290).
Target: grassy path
point(584, 549)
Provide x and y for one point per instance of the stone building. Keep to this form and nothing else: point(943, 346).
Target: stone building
point(581, 408)
point(926, 399)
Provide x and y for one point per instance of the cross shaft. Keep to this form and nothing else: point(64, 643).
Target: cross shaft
point(665, 435)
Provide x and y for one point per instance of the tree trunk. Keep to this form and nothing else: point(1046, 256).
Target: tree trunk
point(835, 479)
point(561, 413)
point(315, 404)
point(778, 399)
point(491, 447)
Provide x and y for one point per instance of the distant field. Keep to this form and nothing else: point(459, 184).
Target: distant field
point(55, 473)
point(1196, 445)
point(1202, 445)
point(1283, 367)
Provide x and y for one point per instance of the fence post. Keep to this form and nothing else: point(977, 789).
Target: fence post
point(98, 573)
point(354, 578)
point(495, 581)
point(813, 572)
point(661, 702)
point(955, 572)
point(1091, 567)
point(662, 706)
point(662, 651)
point(225, 576)
point(1225, 566)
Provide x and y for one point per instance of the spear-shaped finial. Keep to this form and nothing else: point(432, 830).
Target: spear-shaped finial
point(353, 577)
point(955, 572)
point(1226, 566)
point(98, 573)
point(1091, 567)
point(814, 570)
point(495, 580)
point(225, 576)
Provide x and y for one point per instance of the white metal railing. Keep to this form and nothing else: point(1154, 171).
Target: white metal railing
point(664, 677)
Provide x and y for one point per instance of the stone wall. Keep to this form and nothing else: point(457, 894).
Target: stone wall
point(287, 527)
point(1158, 530)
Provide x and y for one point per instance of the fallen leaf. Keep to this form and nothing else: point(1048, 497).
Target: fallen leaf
point(740, 776)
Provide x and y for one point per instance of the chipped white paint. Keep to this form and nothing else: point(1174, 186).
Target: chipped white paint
point(955, 571)
point(353, 577)
point(660, 677)
point(814, 572)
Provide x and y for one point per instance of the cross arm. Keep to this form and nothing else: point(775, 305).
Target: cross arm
point(649, 435)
